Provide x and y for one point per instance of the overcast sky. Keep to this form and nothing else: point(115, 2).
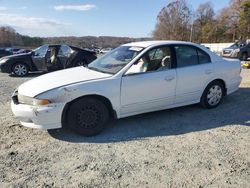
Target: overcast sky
point(130, 18)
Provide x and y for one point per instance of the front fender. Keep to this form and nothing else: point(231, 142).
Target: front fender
point(108, 88)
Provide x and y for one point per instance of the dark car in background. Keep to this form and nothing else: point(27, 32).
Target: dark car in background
point(4, 53)
point(13, 50)
point(22, 51)
point(46, 58)
point(237, 50)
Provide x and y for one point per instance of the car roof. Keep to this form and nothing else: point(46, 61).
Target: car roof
point(145, 44)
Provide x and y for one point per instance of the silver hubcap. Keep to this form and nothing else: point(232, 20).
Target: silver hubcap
point(20, 70)
point(214, 95)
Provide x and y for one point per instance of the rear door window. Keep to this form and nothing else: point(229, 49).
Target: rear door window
point(186, 56)
point(189, 56)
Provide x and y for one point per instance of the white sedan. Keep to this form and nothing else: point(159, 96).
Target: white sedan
point(132, 79)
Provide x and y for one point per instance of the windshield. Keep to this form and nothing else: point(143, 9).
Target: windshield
point(115, 60)
point(237, 45)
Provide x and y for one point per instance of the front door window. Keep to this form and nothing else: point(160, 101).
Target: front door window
point(154, 60)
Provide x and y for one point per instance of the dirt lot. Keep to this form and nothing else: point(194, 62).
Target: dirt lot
point(183, 147)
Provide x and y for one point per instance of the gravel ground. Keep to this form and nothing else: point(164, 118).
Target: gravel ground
point(182, 147)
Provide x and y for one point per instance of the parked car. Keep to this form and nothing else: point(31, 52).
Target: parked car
point(237, 50)
point(4, 53)
point(105, 50)
point(13, 50)
point(46, 58)
point(22, 51)
point(134, 78)
point(97, 50)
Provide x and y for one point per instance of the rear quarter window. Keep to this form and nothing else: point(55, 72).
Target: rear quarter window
point(203, 57)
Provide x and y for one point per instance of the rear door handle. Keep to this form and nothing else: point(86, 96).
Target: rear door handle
point(208, 71)
point(169, 78)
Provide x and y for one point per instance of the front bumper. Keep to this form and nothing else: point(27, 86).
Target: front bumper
point(41, 117)
point(5, 68)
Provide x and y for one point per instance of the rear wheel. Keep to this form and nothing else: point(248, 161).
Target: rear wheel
point(213, 95)
point(20, 69)
point(87, 116)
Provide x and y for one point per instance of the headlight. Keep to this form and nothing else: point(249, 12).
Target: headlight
point(32, 101)
point(3, 60)
point(237, 50)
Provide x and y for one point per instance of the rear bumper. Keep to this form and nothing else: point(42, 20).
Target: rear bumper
point(5, 68)
point(41, 117)
point(234, 85)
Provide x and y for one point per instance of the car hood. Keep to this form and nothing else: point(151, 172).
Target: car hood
point(57, 79)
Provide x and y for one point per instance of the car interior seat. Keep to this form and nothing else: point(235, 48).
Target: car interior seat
point(165, 63)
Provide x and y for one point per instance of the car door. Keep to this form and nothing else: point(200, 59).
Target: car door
point(248, 49)
point(39, 59)
point(64, 54)
point(194, 71)
point(149, 84)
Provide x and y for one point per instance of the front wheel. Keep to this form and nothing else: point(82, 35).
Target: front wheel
point(213, 95)
point(87, 116)
point(81, 63)
point(20, 69)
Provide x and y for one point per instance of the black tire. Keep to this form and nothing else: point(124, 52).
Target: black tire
point(244, 56)
point(20, 69)
point(81, 63)
point(213, 95)
point(87, 116)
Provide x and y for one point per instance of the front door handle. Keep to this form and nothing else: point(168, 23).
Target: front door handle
point(208, 71)
point(169, 78)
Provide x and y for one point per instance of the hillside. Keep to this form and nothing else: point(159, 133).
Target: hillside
point(9, 37)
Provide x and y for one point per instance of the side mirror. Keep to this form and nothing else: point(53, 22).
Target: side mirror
point(134, 69)
point(32, 53)
point(128, 73)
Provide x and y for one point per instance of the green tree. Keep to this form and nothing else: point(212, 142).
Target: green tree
point(244, 22)
point(204, 29)
point(233, 21)
point(173, 22)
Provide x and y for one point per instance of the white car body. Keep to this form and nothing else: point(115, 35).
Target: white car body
point(128, 94)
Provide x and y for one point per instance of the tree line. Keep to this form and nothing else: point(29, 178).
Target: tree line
point(9, 38)
point(92, 41)
point(176, 21)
